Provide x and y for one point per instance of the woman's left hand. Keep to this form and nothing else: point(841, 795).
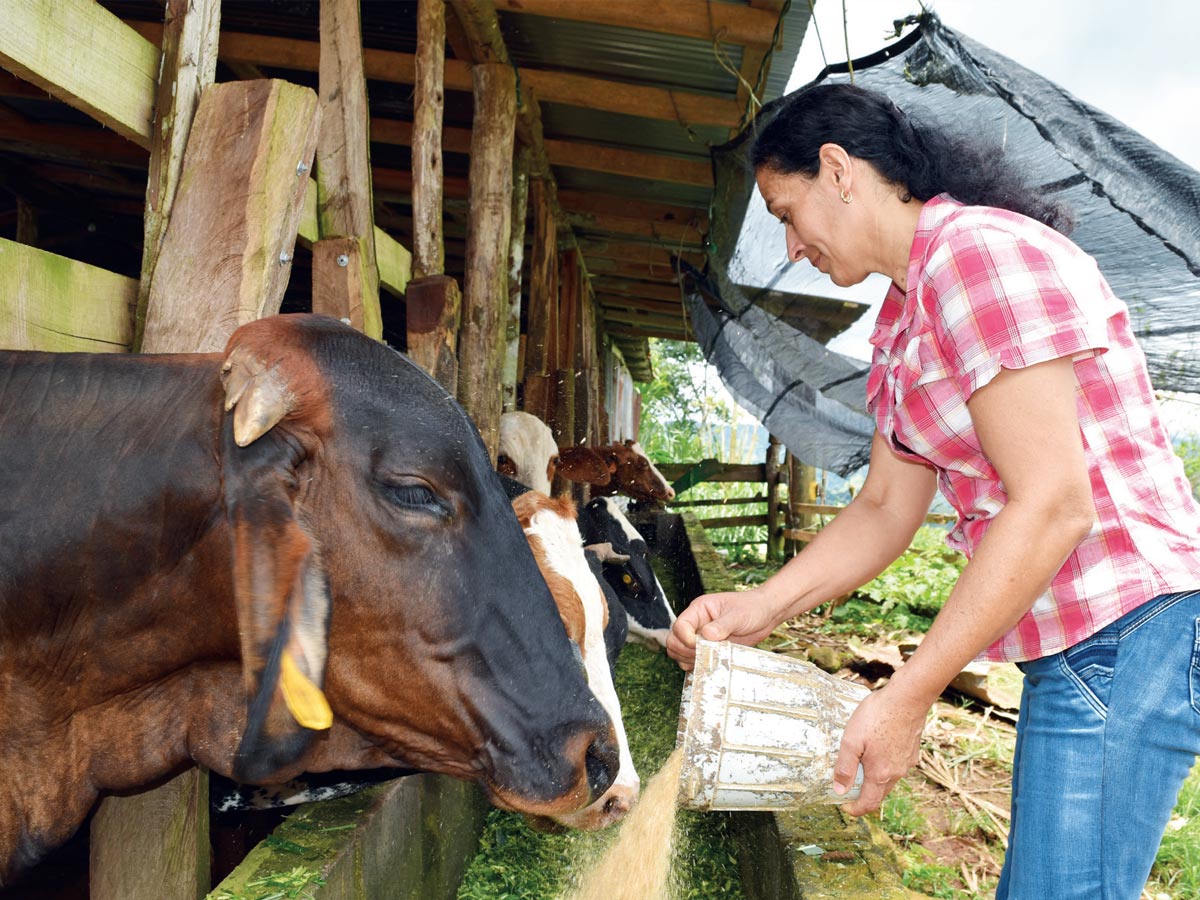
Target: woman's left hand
point(884, 735)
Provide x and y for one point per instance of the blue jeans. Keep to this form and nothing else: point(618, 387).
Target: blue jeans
point(1107, 733)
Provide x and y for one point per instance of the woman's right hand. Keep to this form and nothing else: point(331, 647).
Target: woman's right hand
point(744, 617)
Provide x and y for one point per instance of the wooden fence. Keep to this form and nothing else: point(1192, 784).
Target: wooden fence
point(787, 488)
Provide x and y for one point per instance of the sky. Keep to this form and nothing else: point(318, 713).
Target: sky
point(1135, 62)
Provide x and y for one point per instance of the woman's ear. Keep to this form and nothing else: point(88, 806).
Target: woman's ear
point(836, 166)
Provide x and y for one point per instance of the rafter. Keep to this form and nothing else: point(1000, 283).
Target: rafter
point(699, 19)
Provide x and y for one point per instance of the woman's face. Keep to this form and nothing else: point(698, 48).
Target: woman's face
point(815, 220)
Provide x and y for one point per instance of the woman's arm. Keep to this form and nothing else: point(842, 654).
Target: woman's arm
point(1028, 428)
point(861, 541)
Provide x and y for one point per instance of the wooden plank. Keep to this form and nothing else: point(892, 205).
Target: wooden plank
point(395, 263)
point(433, 305)
point(429, 255)
point(608, 286)
point(339, 271)
point(344, 266)
point(698, 19)
point(721, 471)
point(49, 302)
point(393, 258)
point(232, 235)
point(549, 86)
point(735, 522)
point(189, 65)
point(584, 201)
point(485, 288)
point(162, 827)
point(85, 56)
point(772, 465)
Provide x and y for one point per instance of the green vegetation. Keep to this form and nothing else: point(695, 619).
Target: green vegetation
point(517, 863)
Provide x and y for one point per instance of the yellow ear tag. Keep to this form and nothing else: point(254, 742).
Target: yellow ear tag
point(304, 699)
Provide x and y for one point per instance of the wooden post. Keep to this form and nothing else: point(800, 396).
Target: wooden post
point(189, 65)
point(227, 253)
point(569, 289)
point(516, 261)
point(344, 208)
point(543, 301)
point(481, 339)
point(585, 368)
point(433, 304)
point(428, 103)
point(802, 485)
point(775, 542)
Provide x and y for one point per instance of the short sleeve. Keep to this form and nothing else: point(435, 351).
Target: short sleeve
point(1003, 300)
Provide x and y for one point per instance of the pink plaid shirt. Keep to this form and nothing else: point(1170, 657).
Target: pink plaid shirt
point(990, 289)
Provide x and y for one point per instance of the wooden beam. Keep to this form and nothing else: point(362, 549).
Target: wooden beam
point(679, 235)
point(74, 142)
point(661, 273)
point(85, 56)
point(52, 303)
point(550, 86)
point(626, 331)
point(345, 274)
point(570, 154)
point(630, 163)
point(620, 287)
point(481, 340)
point(433, 306)
point(232, 234)
point(594, 202)
point(698, 19)
point(674, 308)
point(426, 136)
point(630, 317)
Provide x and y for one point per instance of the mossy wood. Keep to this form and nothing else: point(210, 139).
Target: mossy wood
point(393, 258)
point(85, 56)
point(49, 302)
point(408, 839)
point(154, 845)
point(227, 253)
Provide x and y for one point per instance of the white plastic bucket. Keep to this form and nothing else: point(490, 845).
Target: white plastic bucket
point(760, 730)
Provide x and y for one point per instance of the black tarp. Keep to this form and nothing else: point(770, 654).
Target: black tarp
point(1136, 207)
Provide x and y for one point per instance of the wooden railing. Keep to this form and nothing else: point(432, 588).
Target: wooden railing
point(791, 519)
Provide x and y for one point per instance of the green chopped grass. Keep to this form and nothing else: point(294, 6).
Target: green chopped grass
point(516, 863)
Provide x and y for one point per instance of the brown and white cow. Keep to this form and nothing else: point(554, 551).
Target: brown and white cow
point(557, 546)
point(290, 557)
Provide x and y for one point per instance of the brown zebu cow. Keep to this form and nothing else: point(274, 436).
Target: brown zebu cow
point(180, 584)
point(632, 474)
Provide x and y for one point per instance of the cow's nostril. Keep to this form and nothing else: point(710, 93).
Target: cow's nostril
point(601, 764)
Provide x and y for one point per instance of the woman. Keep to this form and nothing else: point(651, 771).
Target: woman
point(1005, 373)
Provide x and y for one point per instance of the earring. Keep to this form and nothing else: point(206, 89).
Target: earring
point(847, 196)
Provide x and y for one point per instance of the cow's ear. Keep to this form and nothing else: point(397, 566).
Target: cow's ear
point(583, 465)
point(280, 589)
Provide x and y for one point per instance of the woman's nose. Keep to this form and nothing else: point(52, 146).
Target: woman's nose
point(795, 247)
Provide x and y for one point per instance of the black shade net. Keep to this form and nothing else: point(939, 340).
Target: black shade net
point(1136, 208)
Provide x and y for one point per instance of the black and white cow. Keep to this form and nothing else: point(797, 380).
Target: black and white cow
point(637, 587)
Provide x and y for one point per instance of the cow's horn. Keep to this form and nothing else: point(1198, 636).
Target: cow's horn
point(261, 396)
point(303, 698)
point(606, 553)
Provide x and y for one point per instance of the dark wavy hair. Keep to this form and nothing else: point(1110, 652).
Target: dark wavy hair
point(920, 160)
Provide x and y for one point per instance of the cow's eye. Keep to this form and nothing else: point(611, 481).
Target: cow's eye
point(414, 495)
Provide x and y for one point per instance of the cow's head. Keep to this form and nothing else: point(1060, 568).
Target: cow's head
point(627, 569)
point(634, 475)
point(381, 578)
